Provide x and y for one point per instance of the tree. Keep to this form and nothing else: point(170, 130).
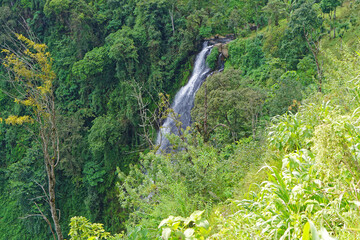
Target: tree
point(306, 24)
point(236, 20)
point(252, 8)
point(289, 7)
point(228, 100)
point(275, 9)
point(31, 75)
point(329, 6)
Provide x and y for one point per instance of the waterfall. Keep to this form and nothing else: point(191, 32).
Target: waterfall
point(184, 99)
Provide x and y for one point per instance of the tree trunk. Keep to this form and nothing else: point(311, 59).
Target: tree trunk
point(40, 93)
point(206, 134)
point(334, 22)
point(314, 50)
point(172, 19)
point(50, 163)
point(253, 126)
point(54, 215)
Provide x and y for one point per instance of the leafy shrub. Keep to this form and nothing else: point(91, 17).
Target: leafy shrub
point(290, 133)
point(177, 183)
point(82, 229)
point(289, 199)
point(205, 31)
point(212, 58)
point(193, 227)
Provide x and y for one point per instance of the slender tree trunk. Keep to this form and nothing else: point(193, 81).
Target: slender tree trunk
point(315, 50)
point(38, 87)
point(334, 19)
point(51, 151)
point(50, 163)
point(253, 125)
point(171, 12)
point(206, 137)
point(54, 214)
point(257, 25)
point(229, 124)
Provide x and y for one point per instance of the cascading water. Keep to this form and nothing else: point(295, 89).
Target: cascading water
point(184, 99)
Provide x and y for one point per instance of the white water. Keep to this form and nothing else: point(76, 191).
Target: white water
point(184, 99)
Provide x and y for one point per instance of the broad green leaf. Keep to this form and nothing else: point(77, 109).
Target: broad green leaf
point(193, 217)
point(325, 235)
point(314, 233)
point(176, 225)
point(179, 235)
point(166, 233)
point(166, 221)
point(189, 233)
point(306, 232)
point(204, 223)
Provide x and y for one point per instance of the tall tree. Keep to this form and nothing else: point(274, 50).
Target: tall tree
point(329, 6)
point(275, 9)
point(31, 75)
point(253, 8)
point(305, 24)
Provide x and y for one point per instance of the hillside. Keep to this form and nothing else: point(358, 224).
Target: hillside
point(272, 151)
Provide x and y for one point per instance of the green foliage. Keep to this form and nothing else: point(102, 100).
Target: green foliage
point(276, 9)
point(212, 58)
point(56, 7)
point(306, 70)
point(93, 174)
point(101, 48)
point(328, 6)
point(304, 20)
point(285, 94)
point(236, 20)
point(137, 233)
point(291, 196)
point(82, 229)
point(205, 31)
point(311, 191)
point(122, 47)
point(231, 102)
point(236, 50)
point(247, 54)
point(273, 40)
point(92, 64)
point(290, 134)
point(105, 130)
point(192, 227)
point(179, 183)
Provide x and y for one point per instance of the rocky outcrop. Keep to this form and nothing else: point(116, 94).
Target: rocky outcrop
point(223, 48)
point(220, 42)
point(220, 39)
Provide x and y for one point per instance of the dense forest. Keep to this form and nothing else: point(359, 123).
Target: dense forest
point(273, 148)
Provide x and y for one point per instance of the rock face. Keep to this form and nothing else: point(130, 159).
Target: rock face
point(223, 48)
point(220, 39)
point(220, 42)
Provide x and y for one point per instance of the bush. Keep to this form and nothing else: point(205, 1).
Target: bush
point(212, 58)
